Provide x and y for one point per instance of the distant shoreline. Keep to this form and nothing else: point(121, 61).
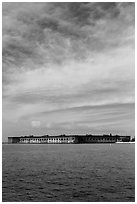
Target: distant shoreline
point(65, 143)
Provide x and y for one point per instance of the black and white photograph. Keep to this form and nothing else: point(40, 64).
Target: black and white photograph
point(68, 101)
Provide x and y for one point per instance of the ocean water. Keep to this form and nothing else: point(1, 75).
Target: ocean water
point(77, 172)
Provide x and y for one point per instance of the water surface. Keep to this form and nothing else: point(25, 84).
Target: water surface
point(75, 172)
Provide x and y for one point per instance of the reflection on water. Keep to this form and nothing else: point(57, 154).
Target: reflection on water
point(81, 172)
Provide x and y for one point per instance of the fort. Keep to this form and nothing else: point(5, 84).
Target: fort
point(68, 139)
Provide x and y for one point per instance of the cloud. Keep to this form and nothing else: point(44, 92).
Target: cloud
point(52, 32)
point(64, 56)
point(35, 124)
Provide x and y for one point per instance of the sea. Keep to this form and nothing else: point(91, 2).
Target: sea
point(68, 173)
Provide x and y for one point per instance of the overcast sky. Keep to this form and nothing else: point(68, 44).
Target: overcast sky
point(68, 68)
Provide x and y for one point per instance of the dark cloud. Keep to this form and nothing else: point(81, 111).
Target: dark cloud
point(87, 13)
point(42, 30)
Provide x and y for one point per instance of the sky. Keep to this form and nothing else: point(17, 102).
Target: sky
point(68, 68)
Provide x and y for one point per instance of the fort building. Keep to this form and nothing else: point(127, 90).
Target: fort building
point(68, 139)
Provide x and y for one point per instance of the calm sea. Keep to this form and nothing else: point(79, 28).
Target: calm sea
point(81, 172)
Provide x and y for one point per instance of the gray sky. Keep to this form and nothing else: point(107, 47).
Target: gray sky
point(68, 68)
